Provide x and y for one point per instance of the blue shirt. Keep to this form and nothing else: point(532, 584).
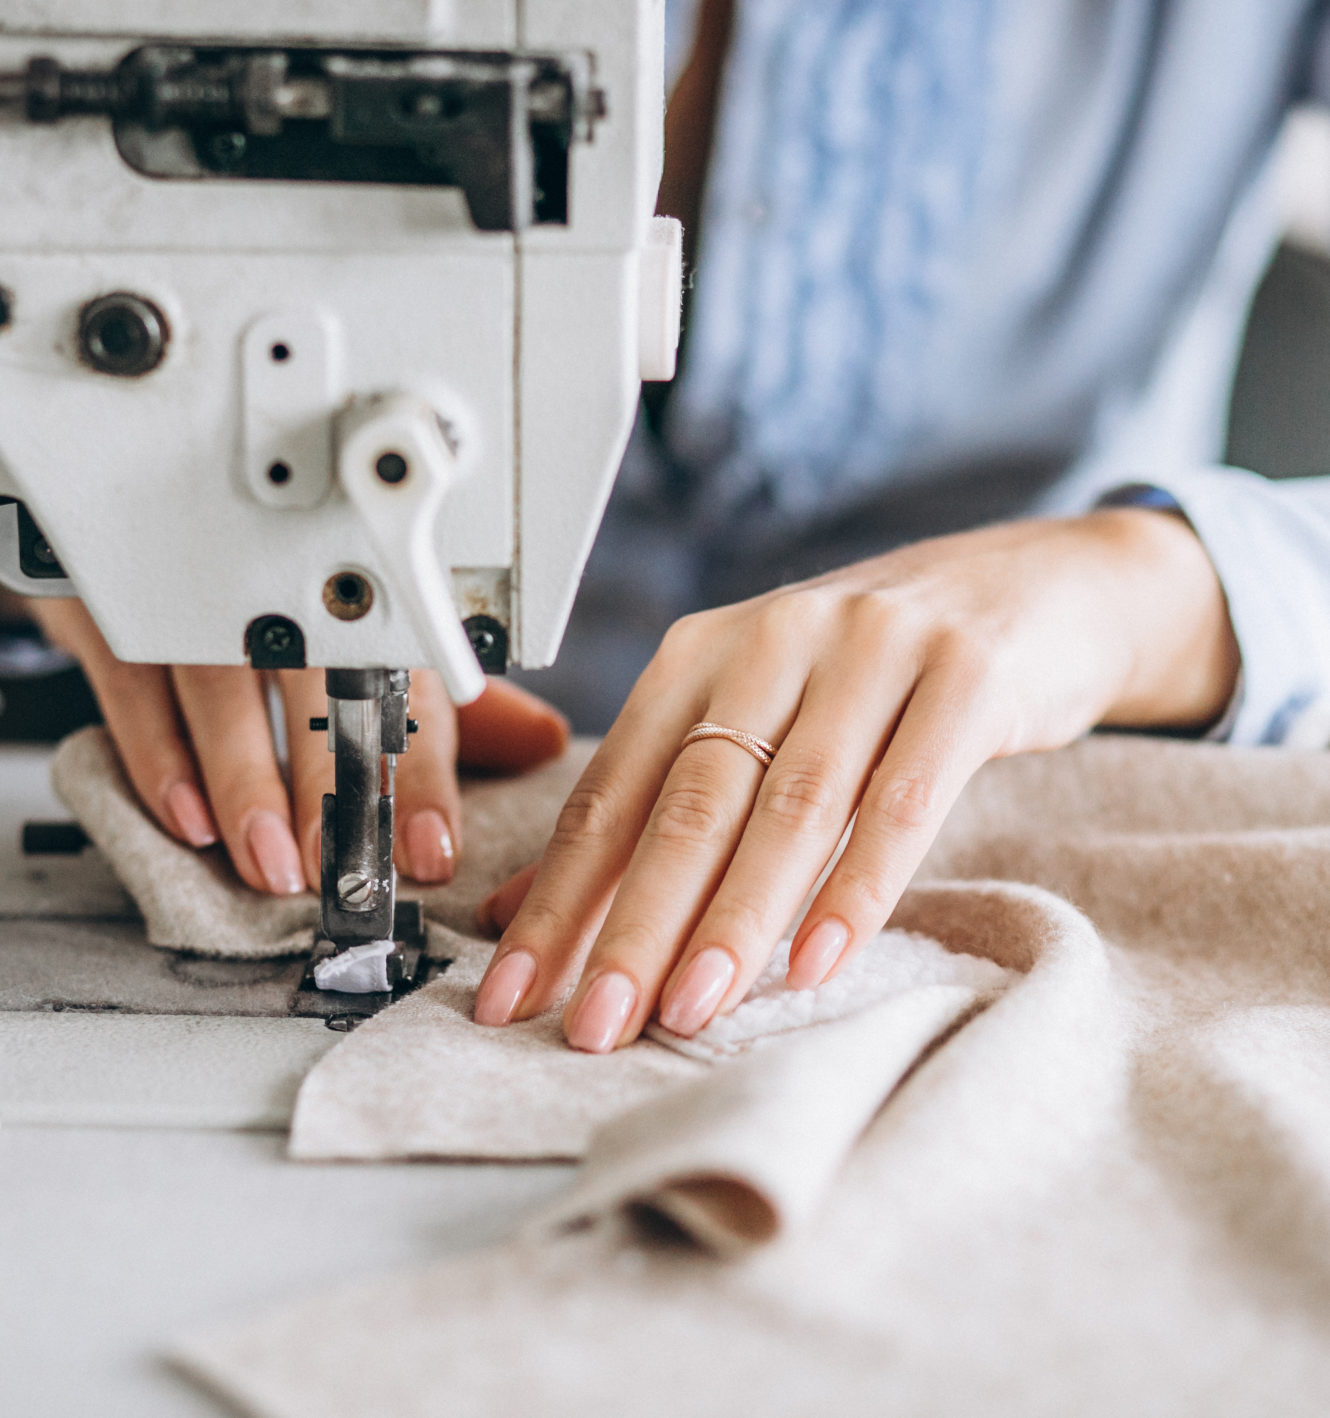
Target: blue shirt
point(970, 259)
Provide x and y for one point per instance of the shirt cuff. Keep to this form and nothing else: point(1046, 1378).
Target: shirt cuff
point(1160, 499)
point(1256, 541)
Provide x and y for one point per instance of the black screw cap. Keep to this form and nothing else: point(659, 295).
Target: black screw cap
point(392, 468)
point(489, 639)
point(272, 642)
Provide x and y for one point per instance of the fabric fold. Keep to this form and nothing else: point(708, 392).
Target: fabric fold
point(889, 1275)
point(422, 1079)
point(736, 1159)
point(1100, 1187)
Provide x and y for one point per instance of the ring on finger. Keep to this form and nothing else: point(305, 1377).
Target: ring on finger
point(760, 749)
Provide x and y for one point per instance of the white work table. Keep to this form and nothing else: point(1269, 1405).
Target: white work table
point(144, 1189)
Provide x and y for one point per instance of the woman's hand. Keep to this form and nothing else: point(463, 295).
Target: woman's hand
point(673, 873)
point(196, 745)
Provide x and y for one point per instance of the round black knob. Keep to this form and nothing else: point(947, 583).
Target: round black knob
point(123, 334)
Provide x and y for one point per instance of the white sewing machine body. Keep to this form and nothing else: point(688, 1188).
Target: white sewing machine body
point(322, 327)
point(204, 497)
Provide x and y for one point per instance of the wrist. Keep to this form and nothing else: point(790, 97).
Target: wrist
point(1182, 667)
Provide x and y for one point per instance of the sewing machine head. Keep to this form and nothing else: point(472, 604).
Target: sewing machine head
point(321, 332)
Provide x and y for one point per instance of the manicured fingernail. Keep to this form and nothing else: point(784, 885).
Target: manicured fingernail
point(605, 1009)
point(429, 846)
point(816, 958)
point(700, 990)
point(276, 854)
point(190, 811)
point(504, 988)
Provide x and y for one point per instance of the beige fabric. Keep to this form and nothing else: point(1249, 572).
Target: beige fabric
point(194, 901)
point(1107, 1193)
point(422, 1080)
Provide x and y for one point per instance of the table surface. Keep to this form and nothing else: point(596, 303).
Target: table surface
point(144, 1189)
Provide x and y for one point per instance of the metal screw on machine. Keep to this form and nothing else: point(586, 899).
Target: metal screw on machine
point(37, 559)
point(228, 150)
point(274, 642)
point(123, 334)
point(489, 640)
point(319, 725)
point(354, 889)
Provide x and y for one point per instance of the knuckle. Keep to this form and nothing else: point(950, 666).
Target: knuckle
point(867, 894)
point(736, 920)
point(540, 926)
point(631, 947)
point(968, 659)
point(784, 616)
point(876, 615)
point(592, 813)
point(905, 802)
point(682, 638)
point(688, 813)
point(800, 797)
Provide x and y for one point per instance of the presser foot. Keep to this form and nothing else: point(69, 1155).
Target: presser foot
point(409, 967)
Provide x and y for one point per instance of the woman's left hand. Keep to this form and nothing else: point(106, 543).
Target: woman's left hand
point(673, 873)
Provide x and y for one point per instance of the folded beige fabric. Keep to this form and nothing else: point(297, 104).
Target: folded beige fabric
point(421, 1080)
point(193, 901)
point(1107, 1192)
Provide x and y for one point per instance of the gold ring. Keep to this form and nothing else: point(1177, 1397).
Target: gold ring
point(750, 743)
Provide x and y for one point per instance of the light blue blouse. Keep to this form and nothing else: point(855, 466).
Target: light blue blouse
point(970, 259)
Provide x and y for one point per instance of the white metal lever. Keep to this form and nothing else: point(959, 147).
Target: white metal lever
point(395, 464)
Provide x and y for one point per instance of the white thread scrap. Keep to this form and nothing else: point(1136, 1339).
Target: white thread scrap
point(358, 970)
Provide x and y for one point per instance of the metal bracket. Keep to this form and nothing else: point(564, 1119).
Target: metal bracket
point(357, 927)
point(497, 126)
point(409, 967)
point(288, 375)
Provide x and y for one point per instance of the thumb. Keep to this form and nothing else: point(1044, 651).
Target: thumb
point(508, 730)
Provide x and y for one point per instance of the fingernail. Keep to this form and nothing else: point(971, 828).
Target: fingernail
point(429, 846)
point(816, 958)
point(504, 988)
point(276, 854)
point(600, 1019)
point(700, 990)
point(190, 811)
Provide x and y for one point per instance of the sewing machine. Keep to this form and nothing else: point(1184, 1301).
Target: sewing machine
point(322, 327)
